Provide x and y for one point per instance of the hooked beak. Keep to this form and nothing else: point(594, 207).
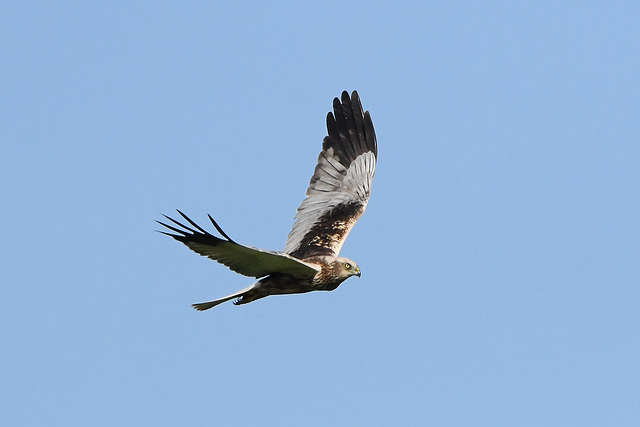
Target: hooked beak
point(358, 272)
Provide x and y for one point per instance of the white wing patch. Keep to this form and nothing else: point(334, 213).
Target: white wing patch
point(336, 198)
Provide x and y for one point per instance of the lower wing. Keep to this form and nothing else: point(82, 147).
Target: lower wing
point(246, 260)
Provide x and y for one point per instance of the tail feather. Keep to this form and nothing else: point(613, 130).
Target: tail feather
point(209, 304)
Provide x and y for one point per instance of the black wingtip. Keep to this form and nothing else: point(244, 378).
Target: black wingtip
point(355, 99)
point(186, 233)
point(222, 233)
point(202, 230)
point(349, 129)
point(346, 99)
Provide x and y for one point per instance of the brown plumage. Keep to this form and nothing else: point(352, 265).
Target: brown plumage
point(336, 197)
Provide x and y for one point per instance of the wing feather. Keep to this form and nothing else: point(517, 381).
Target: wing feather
point(341, 183)
point(246, 260)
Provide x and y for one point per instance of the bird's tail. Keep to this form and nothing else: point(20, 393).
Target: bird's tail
point(209, 304)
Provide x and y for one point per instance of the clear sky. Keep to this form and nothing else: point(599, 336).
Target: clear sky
point(500, 251)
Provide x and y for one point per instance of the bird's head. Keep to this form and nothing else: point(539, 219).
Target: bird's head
point(345, 268)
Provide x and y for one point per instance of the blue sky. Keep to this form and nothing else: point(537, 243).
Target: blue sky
point(500, 249)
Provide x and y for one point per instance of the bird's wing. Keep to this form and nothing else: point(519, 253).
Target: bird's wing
point(340, 186)
point(252, 262)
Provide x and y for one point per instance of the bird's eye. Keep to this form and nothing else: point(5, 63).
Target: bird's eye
point(347, 266)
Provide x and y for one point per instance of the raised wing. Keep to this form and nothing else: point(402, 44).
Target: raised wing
point(340, 186)
point(252, 262)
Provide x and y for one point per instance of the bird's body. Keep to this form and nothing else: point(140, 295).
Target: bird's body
point(282, 284)
point(337, 196)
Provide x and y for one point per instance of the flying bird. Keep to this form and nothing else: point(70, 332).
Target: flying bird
point(336, 197)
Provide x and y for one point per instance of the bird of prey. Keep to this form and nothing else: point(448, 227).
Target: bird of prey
point(336, 197)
